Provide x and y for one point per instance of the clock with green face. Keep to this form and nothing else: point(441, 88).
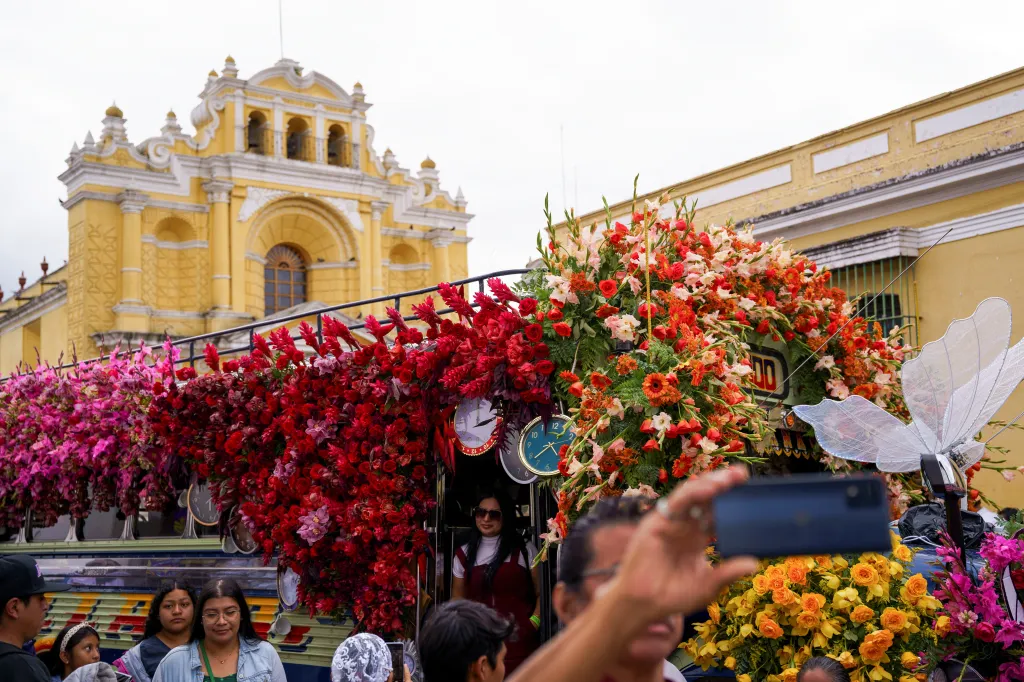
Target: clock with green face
point(540, 443)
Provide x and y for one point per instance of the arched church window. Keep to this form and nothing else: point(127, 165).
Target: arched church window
point(256, 133)
point(336, 147)
point(298, 143)
point(284, 278)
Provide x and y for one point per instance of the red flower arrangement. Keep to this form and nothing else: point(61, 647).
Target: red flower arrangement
point(328, 456)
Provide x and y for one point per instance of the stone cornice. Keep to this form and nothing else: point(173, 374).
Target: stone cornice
point(34, 309)
point(969, 176)
point(902, 241)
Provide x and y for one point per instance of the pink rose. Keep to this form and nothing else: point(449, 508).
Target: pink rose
point(985, 632)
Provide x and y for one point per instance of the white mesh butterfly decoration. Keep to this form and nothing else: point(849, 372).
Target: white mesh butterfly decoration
point(952, 389)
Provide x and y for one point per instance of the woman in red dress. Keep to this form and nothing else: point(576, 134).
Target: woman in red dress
point(493, 568)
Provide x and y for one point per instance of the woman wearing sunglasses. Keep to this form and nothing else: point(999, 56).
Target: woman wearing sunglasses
point(493, 568)
point(224, 646)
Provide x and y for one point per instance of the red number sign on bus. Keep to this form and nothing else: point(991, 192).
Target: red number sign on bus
point(769, 374)
point(765, 373)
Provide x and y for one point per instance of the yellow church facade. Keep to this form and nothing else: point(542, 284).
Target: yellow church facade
point(278, 201)
point(941, 179)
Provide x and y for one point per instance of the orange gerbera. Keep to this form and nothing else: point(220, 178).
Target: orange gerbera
point(655, 386)
point(670, 396)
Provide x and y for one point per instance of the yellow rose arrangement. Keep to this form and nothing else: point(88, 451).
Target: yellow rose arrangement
point(865, 612)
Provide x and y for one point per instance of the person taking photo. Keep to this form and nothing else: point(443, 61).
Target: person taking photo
point(663, 572)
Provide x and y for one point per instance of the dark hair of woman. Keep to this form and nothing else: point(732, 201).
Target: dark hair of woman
point(830, 666)
point(153, 625)
point(223, 588)
point(509, 539)
point(51, 658)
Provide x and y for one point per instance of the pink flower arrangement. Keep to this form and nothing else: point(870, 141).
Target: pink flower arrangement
point(79, 440)
point(974, 624)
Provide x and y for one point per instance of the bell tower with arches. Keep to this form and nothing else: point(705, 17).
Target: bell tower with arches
point(278, 200)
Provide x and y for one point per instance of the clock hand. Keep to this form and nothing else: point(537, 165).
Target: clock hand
point(485, 422)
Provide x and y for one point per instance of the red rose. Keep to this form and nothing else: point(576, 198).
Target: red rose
point(545, 367)
point(234, 443)
point(788, 335)
point(562, 329)
point(527, 306)
point(608, 288)
point(647, 426)
point(555, 315)
point(662, 476)
point(714, 434)
point(985, 632)
point(606, 311)
point(534, 332)
point(762, 327)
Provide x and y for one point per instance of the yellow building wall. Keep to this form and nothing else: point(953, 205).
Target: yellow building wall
point(54, 334)
point(11, 350)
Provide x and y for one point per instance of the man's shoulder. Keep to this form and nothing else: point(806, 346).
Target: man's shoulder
point(18, 664)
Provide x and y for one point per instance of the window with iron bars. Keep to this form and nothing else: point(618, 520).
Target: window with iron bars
point(896, 306)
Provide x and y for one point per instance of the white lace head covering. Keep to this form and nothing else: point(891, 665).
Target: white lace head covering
point(361, 658)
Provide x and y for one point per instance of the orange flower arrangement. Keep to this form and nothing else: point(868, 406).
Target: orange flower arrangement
point(875, 623)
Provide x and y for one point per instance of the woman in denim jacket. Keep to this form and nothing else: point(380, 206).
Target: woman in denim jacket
point(224, 646)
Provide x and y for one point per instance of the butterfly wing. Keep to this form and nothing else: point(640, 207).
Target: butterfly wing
point(859, 430)
point(955, 384)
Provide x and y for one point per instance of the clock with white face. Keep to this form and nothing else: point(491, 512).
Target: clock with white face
point(201, 504)
point(288, 589)
point(476, 426)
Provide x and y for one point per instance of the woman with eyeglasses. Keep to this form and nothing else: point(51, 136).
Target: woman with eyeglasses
point(224, 646)
point(493, 568)
point(168, 625)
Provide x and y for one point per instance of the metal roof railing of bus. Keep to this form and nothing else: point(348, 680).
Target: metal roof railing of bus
point(395, 299)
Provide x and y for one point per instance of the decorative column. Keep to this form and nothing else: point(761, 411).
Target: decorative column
point(131, 313)
point(377, 255)
point(440, 239)
point(218, 193)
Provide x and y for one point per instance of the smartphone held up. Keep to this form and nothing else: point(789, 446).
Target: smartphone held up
point(803, 515)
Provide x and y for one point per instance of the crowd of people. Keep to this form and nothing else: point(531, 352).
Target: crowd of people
point(627, 572)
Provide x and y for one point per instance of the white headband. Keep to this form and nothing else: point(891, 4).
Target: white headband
point(71, 633)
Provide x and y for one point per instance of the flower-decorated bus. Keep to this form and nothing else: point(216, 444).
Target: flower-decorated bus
point(333, 466)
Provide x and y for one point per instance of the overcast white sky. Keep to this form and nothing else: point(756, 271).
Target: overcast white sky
point(667, 89)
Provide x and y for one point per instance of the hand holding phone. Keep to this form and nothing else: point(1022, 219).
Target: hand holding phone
point(802, 515)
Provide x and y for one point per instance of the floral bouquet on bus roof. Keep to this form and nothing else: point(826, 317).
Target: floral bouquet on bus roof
point(651, 321)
